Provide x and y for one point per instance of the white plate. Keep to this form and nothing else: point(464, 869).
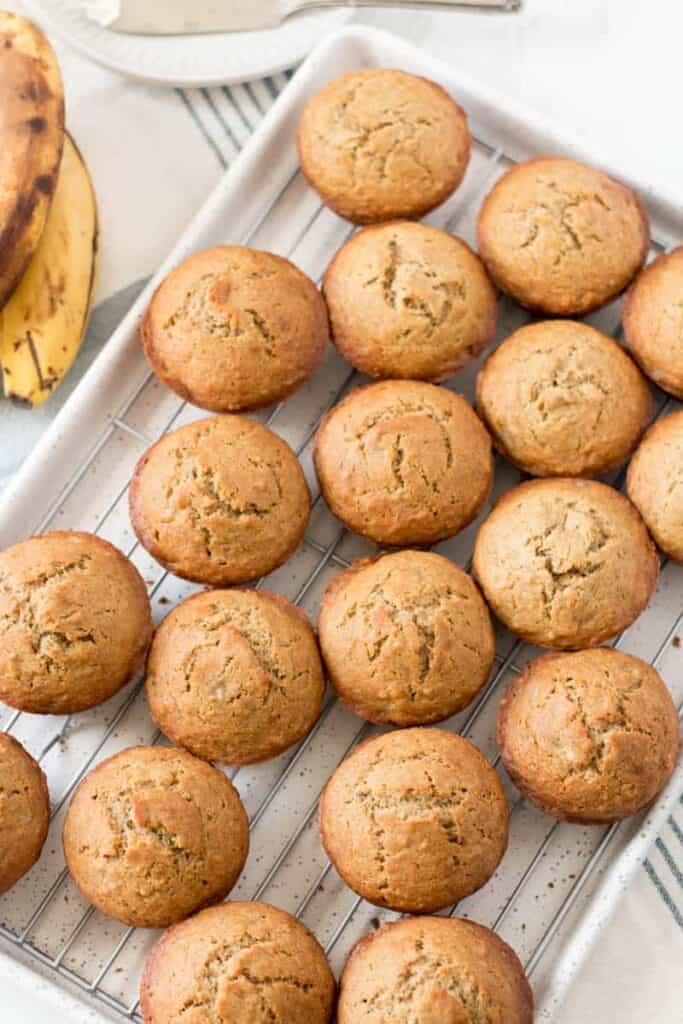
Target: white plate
point(205, 60)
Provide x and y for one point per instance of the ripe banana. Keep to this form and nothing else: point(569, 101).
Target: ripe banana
point(32, 133)
point(42, 325)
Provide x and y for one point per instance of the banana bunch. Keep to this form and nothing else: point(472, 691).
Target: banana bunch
point(48, 220)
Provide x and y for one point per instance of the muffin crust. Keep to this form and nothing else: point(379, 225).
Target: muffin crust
point(153, 834)
point(233, 328)
point(589, 736)
point(404, 462)
point(562, 399)
point(414, 820)
point(565, 563)
point(653, 321)
point(655, 484)
point(562, 237)
point(408, 300)
point(241, 962)
point(406, 638)
point(379, 144)
point(235, 675)
point(424, 970)
point(75, 622)
point(24, 811)
point(219, 501)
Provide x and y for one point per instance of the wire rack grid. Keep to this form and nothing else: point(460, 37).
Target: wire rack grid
point(550, 866)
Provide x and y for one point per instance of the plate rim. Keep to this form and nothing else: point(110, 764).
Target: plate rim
point(46, 17)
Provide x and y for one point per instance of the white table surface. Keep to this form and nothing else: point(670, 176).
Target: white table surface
point(612, 72)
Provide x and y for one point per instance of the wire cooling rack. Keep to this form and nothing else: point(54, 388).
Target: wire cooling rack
point(550, 868)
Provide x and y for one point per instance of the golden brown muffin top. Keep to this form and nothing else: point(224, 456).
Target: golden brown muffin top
point(233, 328)
point(565, 562)
point(246, 962)
point(434, 970)
point(235, 675)
point(404, 462)
point(589, 736)
point(414, 820)
point(24, 811)
point(221, 500)
point(562, 399)
point(152, 834)
point(379, 144)
point(653, 321)
point(407, 300)
point(407, 638)
point(75, 622)
point(561, 237)
point(655, 483)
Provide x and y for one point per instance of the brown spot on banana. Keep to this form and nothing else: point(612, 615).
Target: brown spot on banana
point(45, 183)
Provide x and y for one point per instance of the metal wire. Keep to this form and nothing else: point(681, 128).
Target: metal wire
point(328, 555)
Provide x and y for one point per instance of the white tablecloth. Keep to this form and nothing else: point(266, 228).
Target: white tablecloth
point(610, 70)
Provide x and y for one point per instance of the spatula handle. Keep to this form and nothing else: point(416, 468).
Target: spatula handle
point(434, 5)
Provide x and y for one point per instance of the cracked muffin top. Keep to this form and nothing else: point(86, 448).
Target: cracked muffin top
point(24, 811)
point(406, 638)
point(565, 563)
point(655, 483)
point(404, 462)
point(562, 399)
point(590, 736)
point(653, 321)
point(235, 675)
point(233, 328)
point(414, 820)
point(410, 301)
point(75, 622)
point(379, 144)
point(434, 970)
point(219, 501)
point(562, 237)
point(246, 962)
point(153, 834)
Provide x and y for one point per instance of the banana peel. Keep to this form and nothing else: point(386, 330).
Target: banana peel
point(43, 324)
point(32, 133)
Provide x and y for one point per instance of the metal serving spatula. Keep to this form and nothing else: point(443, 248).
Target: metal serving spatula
point(183, 17)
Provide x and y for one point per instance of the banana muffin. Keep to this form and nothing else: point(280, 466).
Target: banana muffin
point(76, 622)
point(434, 970)
point(379, 144)
point(653, 321)
point(561, 237)
point(562, 399)
point(407, 300)
point(589, 736)
point(565, 563)
point(404, 462)
point(414, 820)
point(244, 962)
point(406, 638)
point(24, 811)
point(220, 501)
point(655, 483)
point(235, 675)
point(233, 328)
point(153, 834)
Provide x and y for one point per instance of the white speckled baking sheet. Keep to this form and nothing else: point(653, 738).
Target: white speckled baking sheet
point(558, 883)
